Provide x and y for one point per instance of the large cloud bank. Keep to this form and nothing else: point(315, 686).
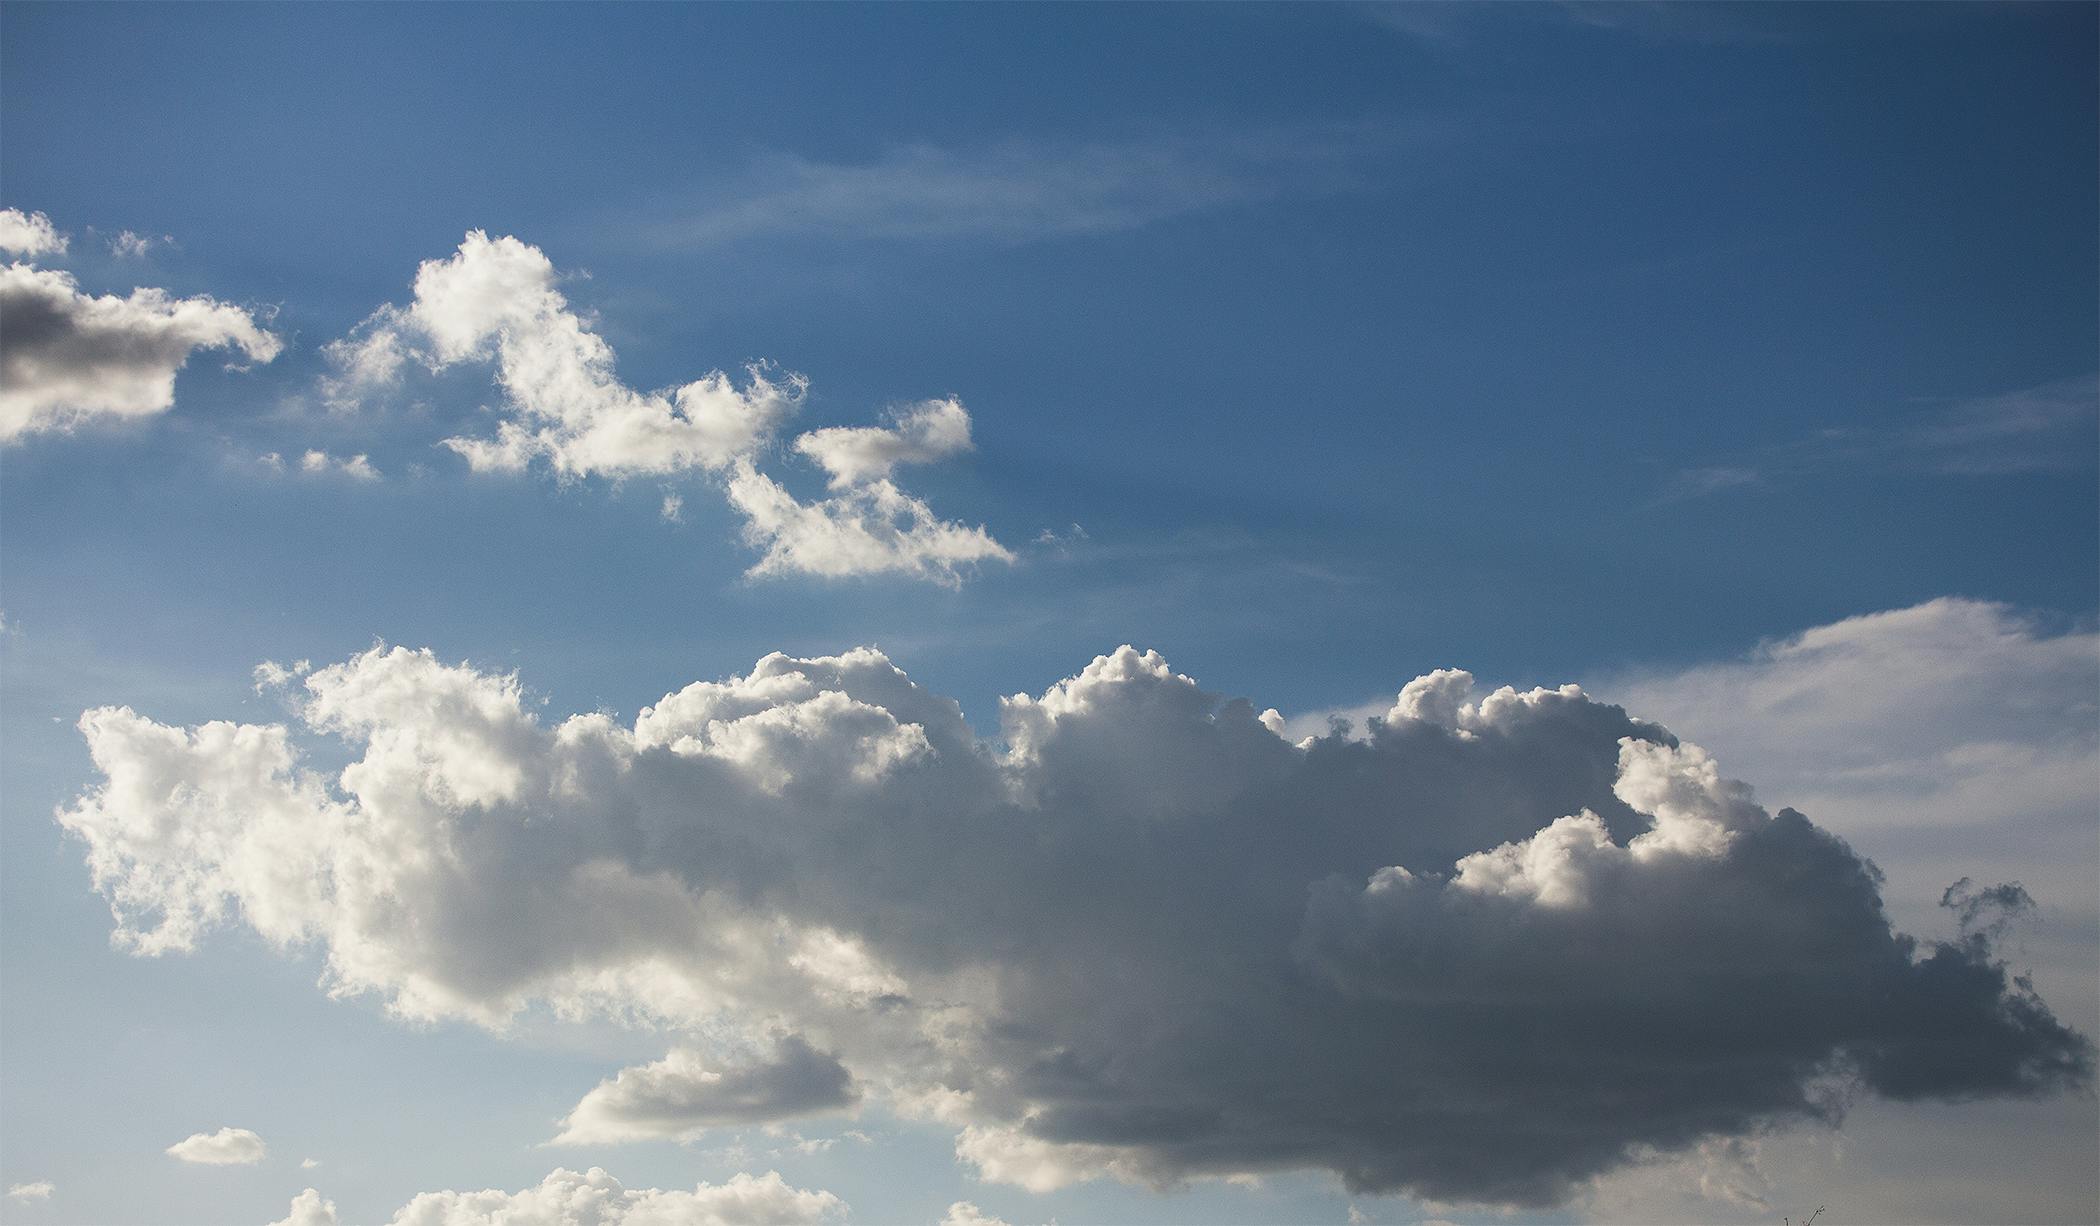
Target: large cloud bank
point(495, 299)
point(1504, 943)
point(67, 356)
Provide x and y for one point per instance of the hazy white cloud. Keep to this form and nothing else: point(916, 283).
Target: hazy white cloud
point(594, 1198)
point(67, 357)
point(307, 1164)
point(496, 300)
point(43, 1188)
point(226, 1147)
point(130, 246)
point(686, 1093)
point(309, 1208)
point(1503, 944)
point(29, 234)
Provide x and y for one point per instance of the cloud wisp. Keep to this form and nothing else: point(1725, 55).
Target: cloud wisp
point(2050, 427)
point(1020, 190)
point(68, 357)
point(1488, 952)
point(496, 300)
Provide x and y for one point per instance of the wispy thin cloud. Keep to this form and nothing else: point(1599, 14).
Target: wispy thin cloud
point(1019, 190)
point(2050, 427)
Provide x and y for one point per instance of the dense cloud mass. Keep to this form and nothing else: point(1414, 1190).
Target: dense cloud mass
point(496, 300)
point(1500, 944)
point(594, 1198)
point(68, 356)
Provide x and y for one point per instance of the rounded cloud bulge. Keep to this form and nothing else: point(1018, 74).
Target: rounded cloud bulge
point(1501, 944)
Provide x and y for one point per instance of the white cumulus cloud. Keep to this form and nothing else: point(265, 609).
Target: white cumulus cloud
point(309, 1208)
point(1502, 944)
point(25, 1192)
point(226, 1147)
point(496, 300)
point(29, 234)
point(67, 357)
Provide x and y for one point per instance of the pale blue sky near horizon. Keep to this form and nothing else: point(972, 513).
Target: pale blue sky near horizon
point(1315, 347)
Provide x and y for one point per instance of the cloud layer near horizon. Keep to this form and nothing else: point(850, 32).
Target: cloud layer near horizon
point(595, 1198)
point(1493, 949)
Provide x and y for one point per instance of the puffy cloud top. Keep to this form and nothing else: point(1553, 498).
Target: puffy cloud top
point(30, 234)
point(1495, 947)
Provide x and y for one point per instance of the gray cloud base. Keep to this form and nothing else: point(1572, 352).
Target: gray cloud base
point(1490, 950)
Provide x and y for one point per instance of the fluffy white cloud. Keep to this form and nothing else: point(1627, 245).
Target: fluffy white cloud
point(67, 356)
point(42, 1188)
point(1491, 950)
point(921, 434)
point(871, 529)
point(226, 1147)
point(309, 1208)
point(496, 300)
point(965, 1213)
point(29, 234)
point(685, 1094)
point(594, 1198)
point(321, 464)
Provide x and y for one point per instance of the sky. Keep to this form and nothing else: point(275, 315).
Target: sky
point(639, 615)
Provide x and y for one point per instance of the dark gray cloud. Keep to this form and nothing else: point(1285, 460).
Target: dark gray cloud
point(1499, 945)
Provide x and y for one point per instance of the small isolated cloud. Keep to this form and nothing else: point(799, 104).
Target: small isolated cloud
point(685, 1094)
point(43, 1188)
point(226, 1147)
point(130, 246)
point(856, 455)
point(320, 463)
point(309, 1209)
point(67, 357)
point(307, 1164)
point(29, 234)
point(594, 1198)
point(496, 300)
point(673, 509)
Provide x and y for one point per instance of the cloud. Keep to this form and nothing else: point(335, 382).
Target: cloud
point(594, 1198)
point(1020, 190)
point(1504, 943)
point(495, 299)
point(42, 1188)
point(920, 434)
point(321, 464)
point(29, 234)
point(869, 530)
point(685, 1094)
point(309, 1209)
point(226, 1147)
point(2049, 427)
point(67, 357)
point(129, 246)
point(965, 1213)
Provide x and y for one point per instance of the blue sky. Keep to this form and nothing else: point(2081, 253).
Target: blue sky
point(1314, 347)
